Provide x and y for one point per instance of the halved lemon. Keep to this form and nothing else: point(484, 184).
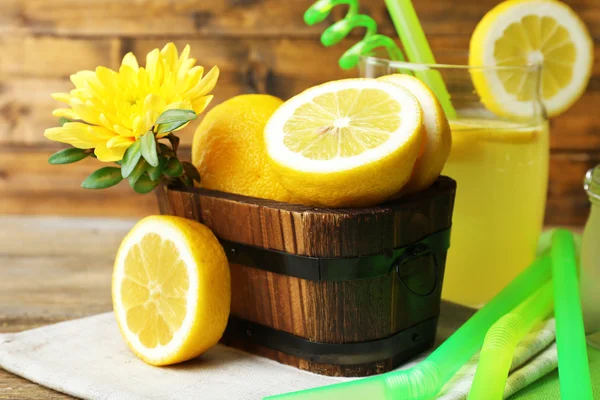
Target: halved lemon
point(171, 289)
point(437, 138)
point(521, 32)
point(346, 143)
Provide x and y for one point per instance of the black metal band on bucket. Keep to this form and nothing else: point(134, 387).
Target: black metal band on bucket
point(404, 344)
point(337, 269)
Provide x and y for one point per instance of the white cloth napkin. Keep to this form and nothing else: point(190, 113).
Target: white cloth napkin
point(87, 358)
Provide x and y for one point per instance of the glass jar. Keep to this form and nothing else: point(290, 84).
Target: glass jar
point(500, 164)
point(589, 274)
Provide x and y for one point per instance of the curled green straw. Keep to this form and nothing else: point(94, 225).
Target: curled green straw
point(501, 340)
point(425, 380)
point(573, 367)
point(339, 30)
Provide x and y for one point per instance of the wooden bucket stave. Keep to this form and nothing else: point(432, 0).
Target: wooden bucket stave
point(338, 292)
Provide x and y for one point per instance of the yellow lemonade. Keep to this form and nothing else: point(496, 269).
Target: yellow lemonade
point(501, 169)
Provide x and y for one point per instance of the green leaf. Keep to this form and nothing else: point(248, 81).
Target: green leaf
point(170, 127)
point(138, 171)
point(102, 178)
point(174, 140)
point(130, 158)
point(173, 168)
point(145, 184)
point(68, 156)
point(148, 148)
point(171, 120)
point(176, 116)
point(155, 172)
point(191, 171)
point(63, 120)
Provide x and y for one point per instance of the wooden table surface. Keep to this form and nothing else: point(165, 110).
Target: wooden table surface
point(59, 268)
point(53, 269)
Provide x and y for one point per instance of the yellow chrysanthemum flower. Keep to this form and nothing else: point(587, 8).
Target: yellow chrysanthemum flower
point(112, 109)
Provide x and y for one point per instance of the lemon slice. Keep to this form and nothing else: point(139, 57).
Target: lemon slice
point(497, 131)
point(345, 143)
point(437, 138)
point(521, 32)
point(171, 289)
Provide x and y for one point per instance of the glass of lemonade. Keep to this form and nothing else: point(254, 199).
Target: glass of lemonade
point(500, 164)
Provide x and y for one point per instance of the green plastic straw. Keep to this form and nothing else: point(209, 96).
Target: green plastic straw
point(500, 342)
point(573, 367)
point(417, 49)
point(338, 31)
point(425, 380)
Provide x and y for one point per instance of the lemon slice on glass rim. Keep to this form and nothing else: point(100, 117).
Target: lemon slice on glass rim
point(346, 143)
point(529, 32)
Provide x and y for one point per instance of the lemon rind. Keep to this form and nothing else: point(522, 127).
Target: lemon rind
point(492, 27)
point(410, 116)
point(166, 231)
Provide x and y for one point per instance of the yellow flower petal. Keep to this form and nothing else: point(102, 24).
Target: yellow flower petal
point(153, 107)
point(82, 94)
point(64, 97)
point(205, 85)
point(76, 139)
point(127, 74)
point(66, 113)
point(123, 131)
point(79, 135)
point(108, 78)
point(180, 105)
point(119, 106)
point(154, 68)
point(109, 155)
point(193, 76)
point(130, 61)
point(185, 54)
point(199, 104)
point(120, 141)
point(169, 55)
point(85, 112)
point(80, 78)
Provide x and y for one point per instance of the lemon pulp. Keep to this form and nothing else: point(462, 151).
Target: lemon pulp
point(520, 35)
point(171, 289)
point(154, 290)
point(346, 143)
point(342, 124)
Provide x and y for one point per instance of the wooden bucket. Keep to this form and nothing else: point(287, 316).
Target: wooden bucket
point(345, 292)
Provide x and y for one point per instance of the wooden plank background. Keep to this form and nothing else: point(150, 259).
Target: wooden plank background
point(261, 46)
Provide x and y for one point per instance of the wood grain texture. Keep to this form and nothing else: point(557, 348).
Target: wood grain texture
point(50, 57)
point(53, 269)
point(44, 42)
point(338, 311)
point(230, 17)
point(315, 232)
point(85, 288)
point(29, 185)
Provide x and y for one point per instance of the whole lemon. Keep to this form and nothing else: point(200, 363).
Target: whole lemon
point(229, 149)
